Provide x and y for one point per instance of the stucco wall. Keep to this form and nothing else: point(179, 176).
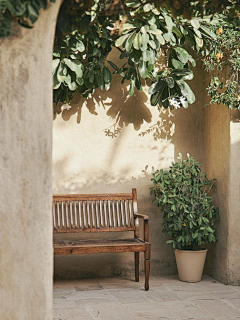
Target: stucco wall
point(86, 161)
point(217, 139)
point(222, 145)
point(234, 207)
point(25, 171)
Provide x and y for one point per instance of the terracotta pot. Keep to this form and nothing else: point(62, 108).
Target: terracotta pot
point(190, 264)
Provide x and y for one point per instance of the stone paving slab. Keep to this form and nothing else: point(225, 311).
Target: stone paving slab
point(124, 299)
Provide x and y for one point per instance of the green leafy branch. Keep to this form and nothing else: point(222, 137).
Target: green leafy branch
point(223, 56)
point(23, 12)
point(141, 34)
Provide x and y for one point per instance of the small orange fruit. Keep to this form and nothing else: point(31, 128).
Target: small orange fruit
point(219, 31)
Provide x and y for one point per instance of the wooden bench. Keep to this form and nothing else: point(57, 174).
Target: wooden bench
point(81, 213)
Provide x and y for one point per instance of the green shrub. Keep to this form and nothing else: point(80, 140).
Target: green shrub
point(183, 193)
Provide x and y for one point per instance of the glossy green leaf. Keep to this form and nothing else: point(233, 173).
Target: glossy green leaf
point(113, 65)
point(55, 64)
point(129, 42)
point(151, 57)
point(184, 103)
point(182, 54)
point(155, 98)
point(180, 73)
point(198, 33)
point(79, 46)
point(177, 64)
point(56, 82)
point(137, 41)
point(107, 75)
point(72, 86)
point(75, 65)
point(208, 32)
point(144, 29)
point(169, 22)
point(128, 26)
point(143, 69)
point(61, 72)
point(177, 32)
point(132, 85)
point(68, 80)
point(120, 41)
point(195, 23)
point(145, 40)
point(147, 7)
point(135, 55)
point(170, 82)
point(152, 44)
point(186, 91)
point(157, 87)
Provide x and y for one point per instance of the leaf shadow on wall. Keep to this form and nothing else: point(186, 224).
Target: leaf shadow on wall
point(164, 128)
point(125, 110)
point(119, 106)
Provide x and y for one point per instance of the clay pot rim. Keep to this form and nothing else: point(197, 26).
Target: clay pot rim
point(193, 251)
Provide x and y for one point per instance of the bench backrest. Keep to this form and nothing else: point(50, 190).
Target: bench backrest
point(94, 212)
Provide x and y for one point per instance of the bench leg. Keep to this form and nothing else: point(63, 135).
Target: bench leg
point(147, 270)
point(147, 266)
point(136, 258)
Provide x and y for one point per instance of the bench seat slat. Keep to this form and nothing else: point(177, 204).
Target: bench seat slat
point(104, 229)
point(98, 246)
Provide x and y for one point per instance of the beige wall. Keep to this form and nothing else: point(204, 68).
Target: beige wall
point(234, 205)
point(217, 139)
point(222, 145)
point(86, 161)
point(25, 171)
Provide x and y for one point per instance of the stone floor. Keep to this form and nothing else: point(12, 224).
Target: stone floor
point(124, 299)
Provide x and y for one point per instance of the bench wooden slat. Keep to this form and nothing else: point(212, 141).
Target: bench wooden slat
point(92, 197)
point(91, 246)
point(62, 209)
point(58, 215)
point(113, 213)
point(99, 242)
point(118, 214)
point(86, 230)
point(54, 215)
point(126, 210)
point(122, 214)
point(75, 214)
point(105, 213)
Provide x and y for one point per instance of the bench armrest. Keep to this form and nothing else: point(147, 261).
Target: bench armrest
point(138, 216)
point(141, 216)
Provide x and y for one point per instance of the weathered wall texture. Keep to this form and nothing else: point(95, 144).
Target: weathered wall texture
point(86, 161)
point(222, 145)
point(217, 139)
point(25, 171)
point(234, 207)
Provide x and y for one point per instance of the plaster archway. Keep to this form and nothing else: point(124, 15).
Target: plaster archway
point(26, 254)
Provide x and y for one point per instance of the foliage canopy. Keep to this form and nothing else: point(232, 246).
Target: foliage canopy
point(142, 31)
point(222, 59)
point(140, 35)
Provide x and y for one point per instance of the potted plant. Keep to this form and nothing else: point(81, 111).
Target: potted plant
point(184, 194)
